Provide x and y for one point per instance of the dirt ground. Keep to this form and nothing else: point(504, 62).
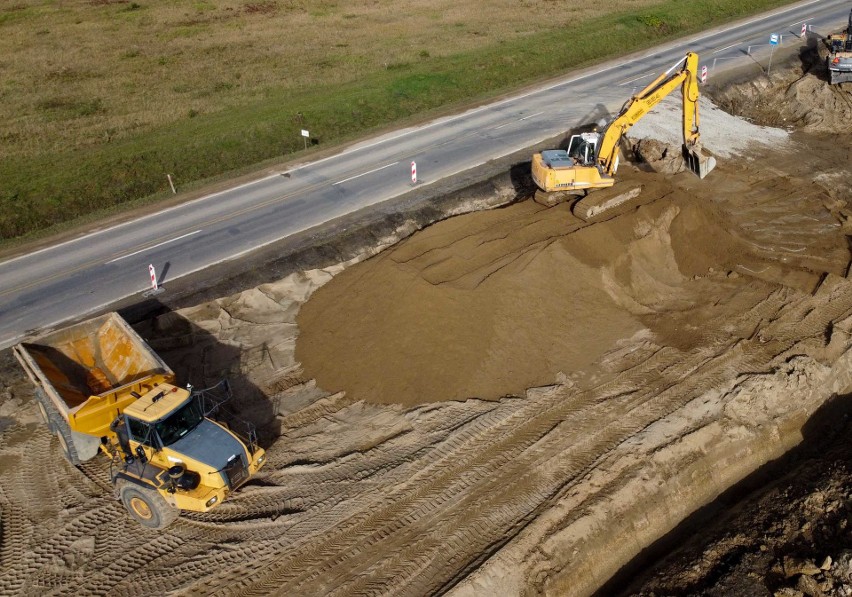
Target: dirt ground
point(514, 402)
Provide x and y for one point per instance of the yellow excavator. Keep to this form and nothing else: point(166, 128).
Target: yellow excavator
point(591, 160)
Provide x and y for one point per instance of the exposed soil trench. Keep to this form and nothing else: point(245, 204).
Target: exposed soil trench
point(510, 401)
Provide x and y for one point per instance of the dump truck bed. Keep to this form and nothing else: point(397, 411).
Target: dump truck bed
point(91, 368)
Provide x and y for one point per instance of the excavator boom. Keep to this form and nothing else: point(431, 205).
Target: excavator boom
point(591, 160)
point(683, 74)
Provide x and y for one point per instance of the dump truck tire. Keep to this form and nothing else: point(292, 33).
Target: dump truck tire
point(66, 444)
point(45, 409)
point(59, 427)
point(147, 507)
point(45, 416)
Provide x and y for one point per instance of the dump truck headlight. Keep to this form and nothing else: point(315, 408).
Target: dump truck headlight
point(212, 501)
point(261, 459)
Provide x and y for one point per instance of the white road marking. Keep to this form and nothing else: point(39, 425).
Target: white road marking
point(725, 48)
point(803, 21)
point(635, 79)
point(530, 116)
point(364, 173)
point(137, 220)
point(501, 126)
point(568, 81)
point(165, 242)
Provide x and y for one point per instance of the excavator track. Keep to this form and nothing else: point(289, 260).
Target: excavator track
point(608, 203)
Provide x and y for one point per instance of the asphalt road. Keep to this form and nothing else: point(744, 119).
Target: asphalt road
point(86, 274)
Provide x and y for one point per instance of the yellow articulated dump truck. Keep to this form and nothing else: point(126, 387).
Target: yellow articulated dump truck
point(101, 388)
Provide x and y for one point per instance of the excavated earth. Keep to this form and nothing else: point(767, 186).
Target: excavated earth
point(514, 401)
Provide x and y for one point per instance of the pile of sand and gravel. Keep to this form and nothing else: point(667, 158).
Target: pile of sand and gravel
point(493, 303)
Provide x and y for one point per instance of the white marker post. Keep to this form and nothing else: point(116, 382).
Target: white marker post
point(153, 273)
point(306, 134)
point(804, 29)
point(171, 184)
point(703, 74)
point(413, 172)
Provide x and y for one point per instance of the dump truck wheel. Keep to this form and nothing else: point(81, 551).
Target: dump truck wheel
point(147, 507)
point(46, 411)
point(66, 443)
point(51, 426)
point(67, 446)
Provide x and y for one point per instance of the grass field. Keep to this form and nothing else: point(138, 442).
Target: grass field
point(102, 98)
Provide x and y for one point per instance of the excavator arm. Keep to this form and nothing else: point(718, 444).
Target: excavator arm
point(683, 74)
point(591, 159)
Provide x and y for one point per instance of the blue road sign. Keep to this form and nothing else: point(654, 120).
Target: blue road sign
point(773, 39)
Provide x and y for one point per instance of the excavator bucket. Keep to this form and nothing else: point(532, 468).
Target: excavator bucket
point(697, 161)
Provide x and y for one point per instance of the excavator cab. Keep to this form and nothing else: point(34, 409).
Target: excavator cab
point(583, 148)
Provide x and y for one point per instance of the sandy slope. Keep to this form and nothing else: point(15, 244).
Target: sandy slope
point(508, 402)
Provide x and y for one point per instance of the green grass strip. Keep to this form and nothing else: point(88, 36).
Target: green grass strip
point(43, 192)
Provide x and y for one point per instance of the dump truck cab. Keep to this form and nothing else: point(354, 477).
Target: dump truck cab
point(166, 442)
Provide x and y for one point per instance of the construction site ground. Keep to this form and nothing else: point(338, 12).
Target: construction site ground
point(484, 396)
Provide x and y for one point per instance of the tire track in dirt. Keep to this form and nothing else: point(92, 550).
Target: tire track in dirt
point(422, 496)
point(437, 521)
point(408, 515)
point(412, 514)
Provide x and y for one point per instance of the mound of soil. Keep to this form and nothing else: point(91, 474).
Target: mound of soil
point(492, 303)
point(792, 98)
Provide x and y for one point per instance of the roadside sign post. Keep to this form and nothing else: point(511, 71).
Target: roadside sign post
point(804, 29)
point(152, 271)
point(773, 41)
point(413, 172)
point(703, 74)
point(155, 286)
point(305, 134)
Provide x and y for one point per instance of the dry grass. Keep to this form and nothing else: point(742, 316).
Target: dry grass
point(102, 97)
point(90, 71)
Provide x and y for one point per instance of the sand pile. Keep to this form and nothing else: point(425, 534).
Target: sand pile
point(492, 303)
point(721, 134)
point(489, 304)
point(817, 107)
point(791, 99)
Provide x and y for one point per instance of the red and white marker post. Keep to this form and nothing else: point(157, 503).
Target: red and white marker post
point(413, 172)
point(804, 29)
point(703, 74)
point(153, 273)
